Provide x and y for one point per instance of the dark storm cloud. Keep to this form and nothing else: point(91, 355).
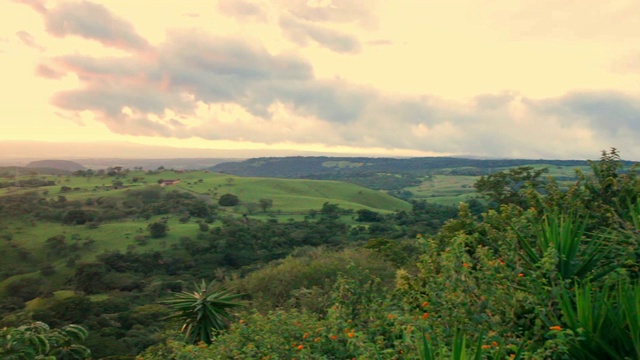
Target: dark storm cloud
point(301, 32)
point(28, 40)
point(95, 22)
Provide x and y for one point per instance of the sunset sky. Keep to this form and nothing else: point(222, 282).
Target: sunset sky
point(495, 78)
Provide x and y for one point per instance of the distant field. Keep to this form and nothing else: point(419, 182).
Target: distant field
point(453, 189)
point(445, 189)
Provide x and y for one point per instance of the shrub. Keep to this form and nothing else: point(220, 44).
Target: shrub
point(228, 200)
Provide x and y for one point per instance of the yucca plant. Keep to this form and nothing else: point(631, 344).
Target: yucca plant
point(459, 351)
point(204, 311)
point(579, 256)
point(605, 321)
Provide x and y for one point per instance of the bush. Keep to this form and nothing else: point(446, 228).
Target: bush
point(158, 229)
point(228, 200)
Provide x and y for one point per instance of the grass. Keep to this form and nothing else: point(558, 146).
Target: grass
point(445, 189)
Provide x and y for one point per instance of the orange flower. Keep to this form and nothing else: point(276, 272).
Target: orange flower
point(520, 275)
point(316, 339)
point(425, 304)
point(486, 346)
point(390, 316)
point(425, 315)
point(333, 337)
point(495, 343)
point(306, 335)
point(300, 347)
point(465, 265)
point(350, 334)
point(556, 328)
point(241, 321)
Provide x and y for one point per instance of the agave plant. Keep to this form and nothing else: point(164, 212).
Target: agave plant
point(606, 321)
point(204, 311)
point(579, 257)
point(459, 350)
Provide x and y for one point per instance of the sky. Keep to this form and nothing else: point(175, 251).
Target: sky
point(493, 78)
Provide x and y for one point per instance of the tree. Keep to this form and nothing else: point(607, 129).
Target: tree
point(228, 200)
point(89, 278)
point(158, 229)
point(330, 210)
point(504, 187)
point(610, 186)
point(365, 215)
point(199, 209)
point(265, 204)
point(39, 341)
point(203, 311)
point(78, 217)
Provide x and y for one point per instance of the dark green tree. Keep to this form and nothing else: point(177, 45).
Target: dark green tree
point(158, 229)
point(506, 187)
point(89, 278)
point(265, 204)
point(78, 217)
point(365, 215)
point(228, 200)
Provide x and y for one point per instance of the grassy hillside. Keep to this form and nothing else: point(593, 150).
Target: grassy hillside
point(26, 245)
point(288, 195)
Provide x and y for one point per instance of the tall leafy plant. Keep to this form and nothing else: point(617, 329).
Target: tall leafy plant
point(579, 254)
point(39, 341)
point(204, 311)
point(604, 322)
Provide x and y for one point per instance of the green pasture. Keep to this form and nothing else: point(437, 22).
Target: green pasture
point(445, 189)
point(112, 236)
point(288, 195)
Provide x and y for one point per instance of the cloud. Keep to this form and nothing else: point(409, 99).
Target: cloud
point(328, 11)
point(36, 5)
point(94, 22)
point(243, 10)
point(48, 72)
point(28, 40)
point(613, 114)
point(210, 87)
point(195, 84)
point(301, 32)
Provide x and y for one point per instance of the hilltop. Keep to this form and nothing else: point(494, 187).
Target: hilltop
point(66, 165)
point(325, 167)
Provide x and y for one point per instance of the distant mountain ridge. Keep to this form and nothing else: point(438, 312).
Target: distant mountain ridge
point(56, 164)
point(325, 167)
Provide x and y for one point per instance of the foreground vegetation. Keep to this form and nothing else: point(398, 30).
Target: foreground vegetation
point(549, 271)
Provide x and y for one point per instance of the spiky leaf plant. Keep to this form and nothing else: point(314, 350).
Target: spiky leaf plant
point(580, 255)
point(204, 311)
